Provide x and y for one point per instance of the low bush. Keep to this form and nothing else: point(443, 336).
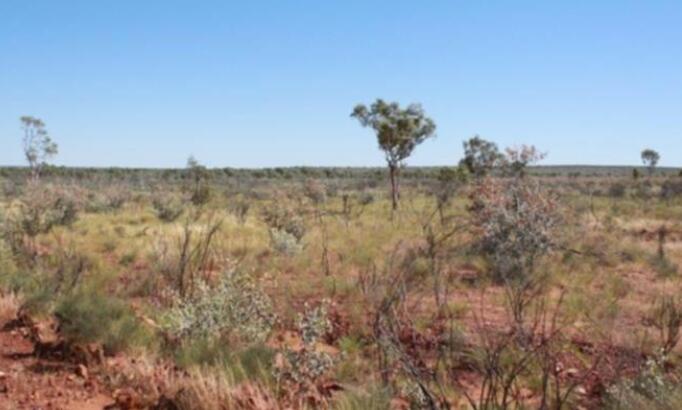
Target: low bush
point(240, 209)
point(168, 208)
point(284, 242)
point(671, 188)
point(284, 218)
point(651, 389)
point(616, 190)
point(110, 200)
point(300, 371)
point(87, 315)
point(235, 307)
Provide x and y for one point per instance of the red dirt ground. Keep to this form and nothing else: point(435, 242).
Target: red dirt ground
point(30, 382)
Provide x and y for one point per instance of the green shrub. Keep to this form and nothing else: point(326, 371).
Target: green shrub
point(252, 363)
point(128, 258)
point(168, 208)
point(234, 307)
point(652, 389)
point(285, 243)
point(201, 195)
point(617, 190)
point(663, 266)
point(375, 398)
point(282, 217)
point(87, 315)
point(113, 198)
point(203, 351)
point(42, 208)
point(8, 267)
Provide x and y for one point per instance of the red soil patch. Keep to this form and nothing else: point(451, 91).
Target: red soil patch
point(31, 382)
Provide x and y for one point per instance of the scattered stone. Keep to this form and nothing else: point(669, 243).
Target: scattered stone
point(82, 371)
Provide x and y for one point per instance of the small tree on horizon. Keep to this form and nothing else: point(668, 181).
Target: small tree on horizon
point(398, 132)
point(37, 144)
point(650, 158)
point(480, 156)
point(197, 175)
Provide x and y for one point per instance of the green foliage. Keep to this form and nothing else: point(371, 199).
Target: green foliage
point(8, 266)
point(37, 144)
point(650, 158)
point(88, 315)
point(44, 207)
point(666, 318)
point(235, 307)
point(37, 212)
point(650, 389)
point(516, 222)
point(286, 227)
point(480, 156)
point(374, 398)
point(398, 131)
point(108, 200)
point(285, 243)
point(301, 369)
point(663, 265)
point(168, 208)
point(197, 184)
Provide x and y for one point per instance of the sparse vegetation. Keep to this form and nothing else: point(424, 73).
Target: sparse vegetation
point(493, 285)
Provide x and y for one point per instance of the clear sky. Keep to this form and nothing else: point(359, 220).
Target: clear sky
point(272, 83)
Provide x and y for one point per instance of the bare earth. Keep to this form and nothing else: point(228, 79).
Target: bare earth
point(29, 382)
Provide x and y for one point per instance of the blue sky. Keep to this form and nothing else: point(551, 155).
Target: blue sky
point(251, 84)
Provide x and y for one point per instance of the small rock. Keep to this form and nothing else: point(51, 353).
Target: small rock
point(82, 371)
point(572, 371)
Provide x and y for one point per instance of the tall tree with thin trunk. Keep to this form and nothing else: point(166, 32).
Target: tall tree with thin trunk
point(398, 132)
point(37, 144)
point(650, 158)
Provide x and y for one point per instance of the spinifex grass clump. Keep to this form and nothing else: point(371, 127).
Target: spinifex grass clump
point(88, 315)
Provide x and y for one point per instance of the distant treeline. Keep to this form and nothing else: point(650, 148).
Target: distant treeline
point(170, 175)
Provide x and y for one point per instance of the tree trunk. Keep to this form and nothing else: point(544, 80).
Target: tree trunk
point(393, 174)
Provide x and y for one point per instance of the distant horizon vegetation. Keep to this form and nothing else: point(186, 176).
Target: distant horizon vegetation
point(555, 169)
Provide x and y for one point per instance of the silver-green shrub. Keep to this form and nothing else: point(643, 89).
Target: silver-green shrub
point(284, 242)
point(235, 306)
point(652, 388)
point(300, 369)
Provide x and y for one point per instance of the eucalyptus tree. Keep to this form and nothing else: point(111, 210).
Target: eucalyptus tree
point(399, 131)
point(37, 144)
point(650, 158)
